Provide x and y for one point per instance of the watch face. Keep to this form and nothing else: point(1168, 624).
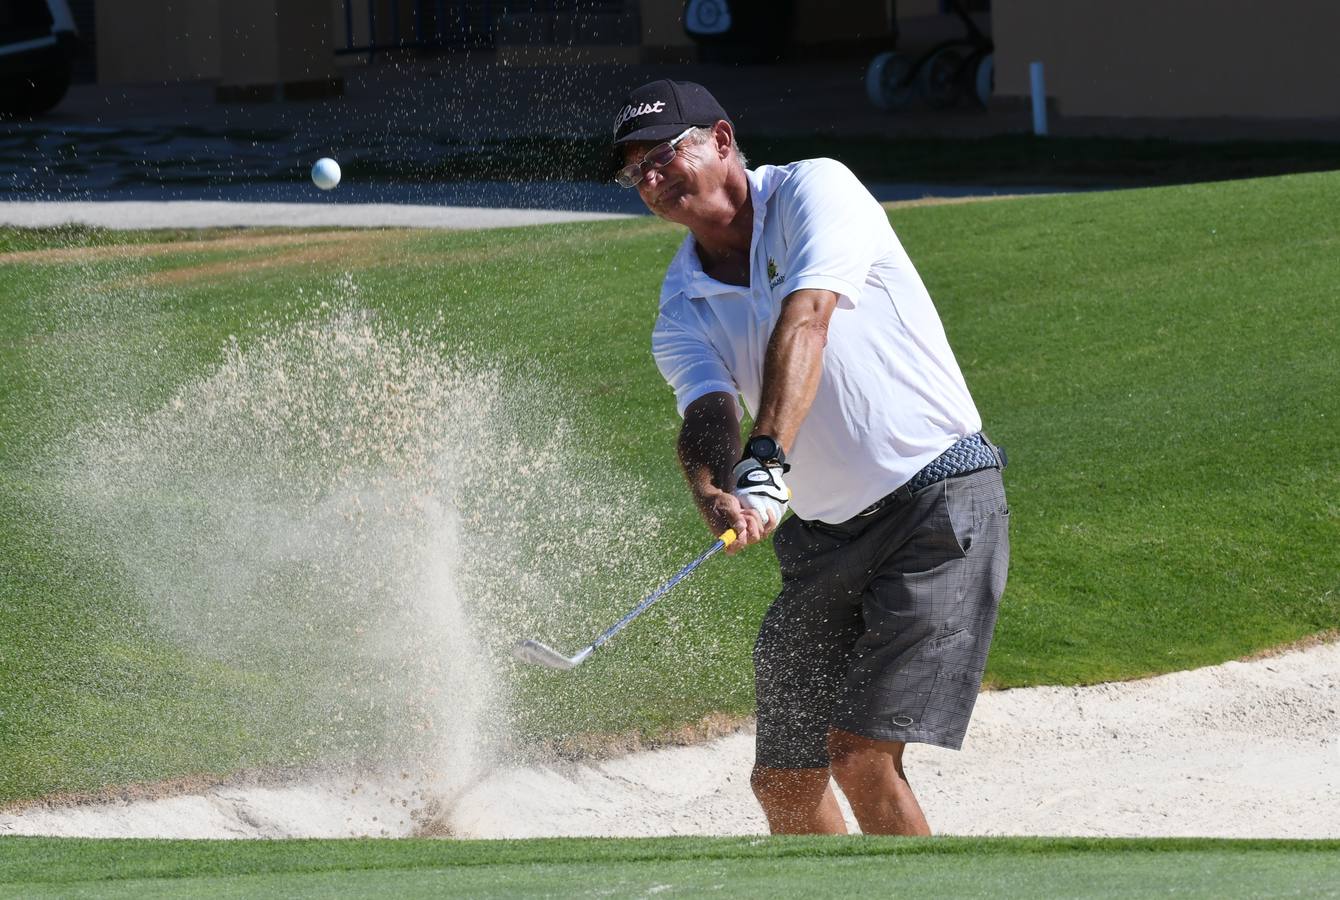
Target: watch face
point(763, 448)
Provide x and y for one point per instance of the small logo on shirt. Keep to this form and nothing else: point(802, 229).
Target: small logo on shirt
point(774, 277)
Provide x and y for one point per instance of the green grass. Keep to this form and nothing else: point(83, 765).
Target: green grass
point(1159, 364)
point(772, 867)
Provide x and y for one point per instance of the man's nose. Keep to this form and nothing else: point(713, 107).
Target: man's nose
point(650, 178)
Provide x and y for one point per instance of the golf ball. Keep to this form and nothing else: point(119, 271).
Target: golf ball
point(326, 173)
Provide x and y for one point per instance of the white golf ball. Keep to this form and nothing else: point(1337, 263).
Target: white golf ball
point(326, 173)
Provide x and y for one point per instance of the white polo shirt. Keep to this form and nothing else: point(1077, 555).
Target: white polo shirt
point(891, 397)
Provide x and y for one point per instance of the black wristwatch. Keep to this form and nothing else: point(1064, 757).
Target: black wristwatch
point(766, 450)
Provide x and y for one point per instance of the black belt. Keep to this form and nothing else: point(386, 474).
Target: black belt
point(970, 454)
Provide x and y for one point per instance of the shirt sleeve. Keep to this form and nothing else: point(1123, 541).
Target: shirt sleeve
point(689, 363)
point(835, 230)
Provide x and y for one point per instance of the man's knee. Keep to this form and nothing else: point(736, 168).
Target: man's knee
point(787, 785)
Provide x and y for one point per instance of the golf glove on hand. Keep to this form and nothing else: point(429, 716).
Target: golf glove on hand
point(760, 487)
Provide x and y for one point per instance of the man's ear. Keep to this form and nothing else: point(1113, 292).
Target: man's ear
point(724, 136)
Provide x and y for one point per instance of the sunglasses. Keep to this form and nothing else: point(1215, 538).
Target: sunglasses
point(657, 157)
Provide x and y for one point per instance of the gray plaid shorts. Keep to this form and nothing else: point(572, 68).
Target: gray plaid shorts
point(883, 623)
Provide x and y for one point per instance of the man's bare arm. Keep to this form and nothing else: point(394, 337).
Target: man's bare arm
point(709, 445)
point(709, 442)
point(794, 364)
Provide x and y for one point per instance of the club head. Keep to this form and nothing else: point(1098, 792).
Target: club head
point(543, 655)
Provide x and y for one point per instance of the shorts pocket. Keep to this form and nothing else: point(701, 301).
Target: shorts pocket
point(913, 699)
point(951, 700)
point(970, 501)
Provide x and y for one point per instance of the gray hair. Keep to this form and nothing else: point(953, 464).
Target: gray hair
point(702, 135)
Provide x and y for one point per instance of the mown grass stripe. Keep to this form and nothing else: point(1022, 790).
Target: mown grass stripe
point(56, 860)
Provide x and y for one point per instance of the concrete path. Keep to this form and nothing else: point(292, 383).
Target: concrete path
point(460, 205)
point(218, 214)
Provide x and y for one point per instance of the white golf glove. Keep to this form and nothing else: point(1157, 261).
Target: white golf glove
point(760, 488)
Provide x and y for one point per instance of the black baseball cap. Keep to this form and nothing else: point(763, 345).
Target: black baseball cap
point(662, 109)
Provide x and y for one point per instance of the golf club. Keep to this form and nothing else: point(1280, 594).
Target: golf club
point(543, 655)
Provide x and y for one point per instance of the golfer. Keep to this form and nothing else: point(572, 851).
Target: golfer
point(792, 292)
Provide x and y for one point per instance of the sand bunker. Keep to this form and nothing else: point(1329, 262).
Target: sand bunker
point(1243, 749)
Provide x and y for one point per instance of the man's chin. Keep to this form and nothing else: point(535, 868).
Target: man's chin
point(671, 194)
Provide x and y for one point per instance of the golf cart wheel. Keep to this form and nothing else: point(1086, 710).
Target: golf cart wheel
point(940, 77)
point(888, 81)
point(33, 93)
point(984, 79)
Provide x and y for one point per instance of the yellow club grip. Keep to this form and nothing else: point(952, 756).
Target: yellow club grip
point(727, 536)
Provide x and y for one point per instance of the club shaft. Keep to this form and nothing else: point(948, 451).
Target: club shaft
point(658, 594)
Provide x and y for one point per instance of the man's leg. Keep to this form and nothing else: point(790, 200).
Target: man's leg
point(800, 661)
point(870, 773)
point(798, 801)
point(929, 613)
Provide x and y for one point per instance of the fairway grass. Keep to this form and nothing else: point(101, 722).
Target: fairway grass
point(731, 867)
point(1160, 365)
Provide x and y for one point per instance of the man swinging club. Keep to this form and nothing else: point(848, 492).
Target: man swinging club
point(792, 291)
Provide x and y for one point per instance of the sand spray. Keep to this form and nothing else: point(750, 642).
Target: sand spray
point(360, 519)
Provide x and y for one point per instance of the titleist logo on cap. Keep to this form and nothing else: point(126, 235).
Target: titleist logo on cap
point(632, 112)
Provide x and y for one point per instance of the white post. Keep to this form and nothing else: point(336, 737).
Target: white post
point(1039, 84)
